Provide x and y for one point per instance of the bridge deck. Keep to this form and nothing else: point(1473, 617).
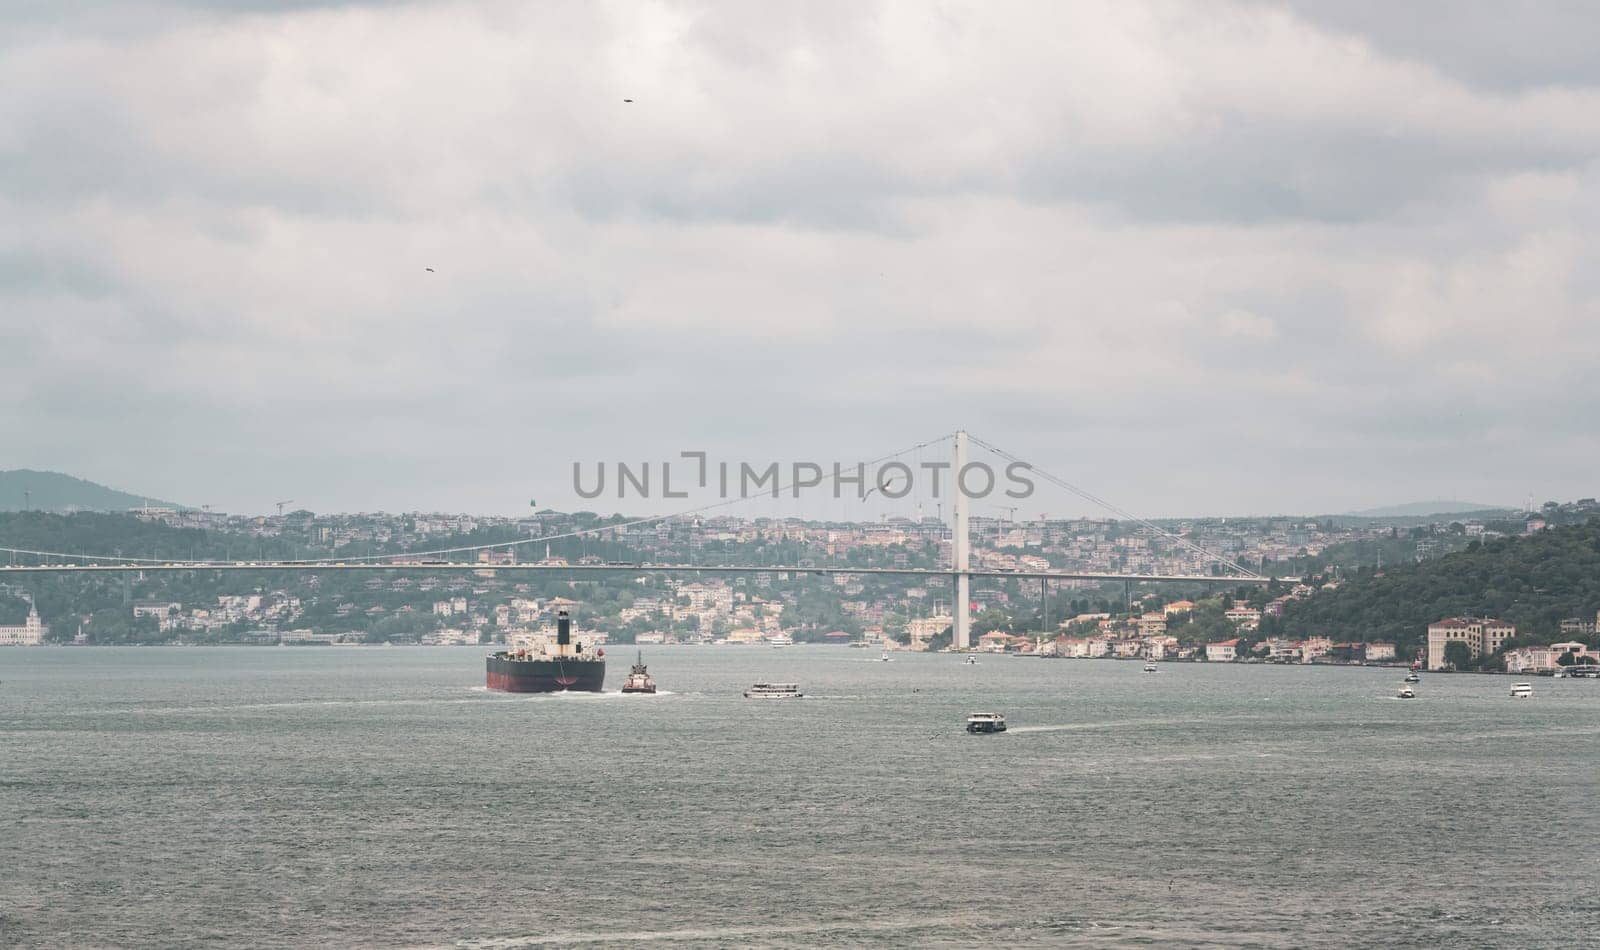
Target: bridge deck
point(462, 566)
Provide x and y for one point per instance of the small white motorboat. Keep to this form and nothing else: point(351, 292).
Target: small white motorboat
point(1150, 667)
point(1521, 690)
point(1406, 692)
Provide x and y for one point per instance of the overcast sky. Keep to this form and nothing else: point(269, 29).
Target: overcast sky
point(1198, 258)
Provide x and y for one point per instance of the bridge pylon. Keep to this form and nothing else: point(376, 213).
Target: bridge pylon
point(961, 616)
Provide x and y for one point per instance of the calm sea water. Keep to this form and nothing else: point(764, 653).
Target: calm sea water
point(379, 797)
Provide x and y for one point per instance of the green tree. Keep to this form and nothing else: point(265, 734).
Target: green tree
point(1457, 655)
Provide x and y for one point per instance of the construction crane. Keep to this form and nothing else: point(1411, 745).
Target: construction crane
point(280, 504)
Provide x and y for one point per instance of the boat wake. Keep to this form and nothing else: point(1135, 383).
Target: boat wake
point(488, 695)
point(734, 934)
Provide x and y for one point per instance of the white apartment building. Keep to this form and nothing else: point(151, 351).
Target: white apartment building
point(1225, 652)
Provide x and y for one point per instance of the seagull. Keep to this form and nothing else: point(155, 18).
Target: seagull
point(428, 269)
point(627, 100)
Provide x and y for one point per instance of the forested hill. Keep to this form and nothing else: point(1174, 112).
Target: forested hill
point(52, 491)
point(110, 535)
point(1534, 581)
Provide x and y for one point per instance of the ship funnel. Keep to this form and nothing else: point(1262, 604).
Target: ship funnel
point(563, 629)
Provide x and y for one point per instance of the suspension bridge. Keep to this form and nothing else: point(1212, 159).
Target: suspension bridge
point(960, 572)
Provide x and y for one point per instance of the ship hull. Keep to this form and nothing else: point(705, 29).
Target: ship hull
point(545, 675)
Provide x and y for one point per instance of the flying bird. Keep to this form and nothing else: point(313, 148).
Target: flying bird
point(627, 100)
point(428, 269)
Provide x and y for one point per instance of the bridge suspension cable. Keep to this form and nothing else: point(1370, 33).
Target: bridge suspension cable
point(1120, 512)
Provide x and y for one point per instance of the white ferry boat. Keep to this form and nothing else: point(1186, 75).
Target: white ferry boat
point(1521, 690)
point(986, 722)
point(1150, 667)
point(781, 640)
point(774, 691)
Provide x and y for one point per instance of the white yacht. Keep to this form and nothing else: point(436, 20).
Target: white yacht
point(1150, 667)
point(774, 691)
point(1521, 690)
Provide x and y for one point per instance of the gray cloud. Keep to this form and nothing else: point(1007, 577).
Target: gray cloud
point(1489, 44)
point(1213, 258)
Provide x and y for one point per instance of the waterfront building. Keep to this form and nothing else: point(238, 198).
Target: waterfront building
point(1574, 647)
point(1482, 636)
point(30, 633)
point(1225, 652)
point(1159, 648)
point(1313, 647)
point(1280, 650)
point(1378, 652)
point(1534, 659)
point(994, 642)
point(922, 629)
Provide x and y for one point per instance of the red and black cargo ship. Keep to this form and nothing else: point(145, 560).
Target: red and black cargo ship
point(567, 669)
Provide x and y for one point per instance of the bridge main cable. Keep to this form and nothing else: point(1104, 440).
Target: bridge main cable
point(1108, 506)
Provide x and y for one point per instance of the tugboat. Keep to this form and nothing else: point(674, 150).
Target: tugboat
point(568, 669)
point(986, 722)
point(639, 680)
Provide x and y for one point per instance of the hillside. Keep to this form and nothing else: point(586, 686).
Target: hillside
point(1534, 581)
point(1423, 509)
point(24, 488)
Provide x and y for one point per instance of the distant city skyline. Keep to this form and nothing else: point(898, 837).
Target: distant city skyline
point(1204, 259)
